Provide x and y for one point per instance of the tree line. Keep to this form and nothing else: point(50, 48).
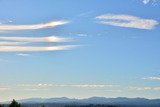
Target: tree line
point(14, 103)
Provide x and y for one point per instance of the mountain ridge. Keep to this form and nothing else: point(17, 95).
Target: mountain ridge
point(92, 100)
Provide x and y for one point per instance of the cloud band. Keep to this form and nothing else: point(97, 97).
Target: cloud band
point(31, 27)
point(127, 21)
point(34, 48)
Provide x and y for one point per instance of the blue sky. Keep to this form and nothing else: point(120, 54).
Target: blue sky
point(79, 48)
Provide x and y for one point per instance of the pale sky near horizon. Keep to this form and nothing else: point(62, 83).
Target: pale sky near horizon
point(79, 48)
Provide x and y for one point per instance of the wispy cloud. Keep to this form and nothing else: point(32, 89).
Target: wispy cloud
point(147, 88)
point(4, 27)
point(33, 39)
point(86, 14)
point(151, 78)
point(34, 48)
point(127, 21)
point(152, 2)
point(36, 89)
point(12, 43)
point(16, 44)
point(140, 88)
point(23, 54)
point(70, 85)
point(146, 1)
point(4, 88)
point(93, 86)
point(82, 35)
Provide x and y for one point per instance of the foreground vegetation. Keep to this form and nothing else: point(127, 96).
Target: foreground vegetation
point(14, 103)
point(74, 104)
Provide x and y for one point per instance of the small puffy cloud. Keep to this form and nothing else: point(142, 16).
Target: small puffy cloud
point(146, 1)
point(82, 35)
point(127, 21)
point(152, 2)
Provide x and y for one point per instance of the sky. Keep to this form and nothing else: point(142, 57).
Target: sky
point(79, 48)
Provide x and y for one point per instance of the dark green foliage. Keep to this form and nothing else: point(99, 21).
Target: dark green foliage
point(14, 104)
point(41, 106)
point(1, 105)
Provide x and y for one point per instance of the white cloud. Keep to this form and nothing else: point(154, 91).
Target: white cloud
point(93, 86)
point(152, 2)
point(146, 88)
point(35, 85)
point(157, 88)
point(16, 44)
point(4, 27)
point(151, 78)
point(146, 1)
point(82, 35)
point(34, 48)
point(12, 43)
point(4, 88)
point(140, 88)
point(34, 39)
point(69, 85)
point(36, 89)
point(23, 44)
point(23, 54)
point(127, 21)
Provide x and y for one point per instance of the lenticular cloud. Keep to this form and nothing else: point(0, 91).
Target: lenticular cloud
point(24, 43)
point(36, 39)
point(31, 27)
point(34, 48)
point(127, 21)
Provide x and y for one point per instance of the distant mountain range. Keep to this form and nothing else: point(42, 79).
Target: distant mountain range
point(93, 100)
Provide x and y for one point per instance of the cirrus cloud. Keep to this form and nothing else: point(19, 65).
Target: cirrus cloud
point(33, 39)
point(5, 27)
point(152, 78)
point(34, 48)
point(127, 21)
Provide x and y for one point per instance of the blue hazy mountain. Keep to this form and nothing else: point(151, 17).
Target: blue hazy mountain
point(94, 100)
point(47, 100)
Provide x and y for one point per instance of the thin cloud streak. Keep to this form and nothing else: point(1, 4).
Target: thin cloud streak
point(12, 43)
point(23, 54)
point(127, 21)
point(152, 78)
point(144, 88)
point(3, 88)
point(35, 39)
point(51, 24)
point(34, 48)
point(70, 85)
